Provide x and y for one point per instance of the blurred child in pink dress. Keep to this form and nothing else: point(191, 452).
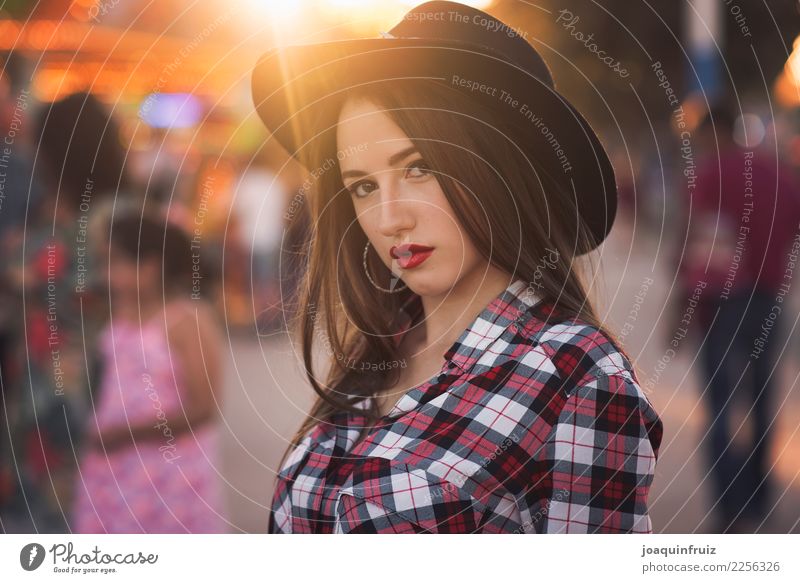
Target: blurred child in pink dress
point(150, 456)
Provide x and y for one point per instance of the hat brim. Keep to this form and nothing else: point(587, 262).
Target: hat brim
point(296, 89)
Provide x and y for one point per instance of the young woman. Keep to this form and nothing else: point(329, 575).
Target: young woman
point(471, 386)
point(150, 459)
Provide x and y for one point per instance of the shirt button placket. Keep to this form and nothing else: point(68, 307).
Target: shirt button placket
point(443, 375)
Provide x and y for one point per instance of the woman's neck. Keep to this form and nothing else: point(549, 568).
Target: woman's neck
point(447, 316)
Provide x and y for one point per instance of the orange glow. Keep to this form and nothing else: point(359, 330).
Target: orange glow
point(9, 33)
point(79, 12)
point(40, 34)
point(787, 85)
point(481, 4)
point(793, 63)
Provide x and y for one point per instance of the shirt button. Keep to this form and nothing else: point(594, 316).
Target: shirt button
point(441, 377)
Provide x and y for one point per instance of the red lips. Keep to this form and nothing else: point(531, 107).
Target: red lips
point(410, 255)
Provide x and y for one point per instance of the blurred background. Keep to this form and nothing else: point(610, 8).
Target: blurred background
point(124, 106)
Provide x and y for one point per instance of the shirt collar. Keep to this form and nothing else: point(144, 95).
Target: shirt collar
point(505, 309)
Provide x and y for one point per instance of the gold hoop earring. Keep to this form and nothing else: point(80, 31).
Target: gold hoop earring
point(372, 281)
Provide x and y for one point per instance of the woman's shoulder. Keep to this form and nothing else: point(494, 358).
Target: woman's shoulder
point(587, 364)
point(568, 357)
point(576, 349)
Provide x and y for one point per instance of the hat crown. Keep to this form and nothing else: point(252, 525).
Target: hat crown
point(441, 19)
point(297, 90)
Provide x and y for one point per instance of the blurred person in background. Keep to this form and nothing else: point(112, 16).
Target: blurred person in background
point(743, 217)
point(294, 254)
point(149, 460)
point(18, 191)
point(58, 309)
point(260, 204)
point(209, 216)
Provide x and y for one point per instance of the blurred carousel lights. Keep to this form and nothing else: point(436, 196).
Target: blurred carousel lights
point(293, 21)
point(363, 16)
point(481, 4)
point(171, 110)
point(787, 85)
point(286, 13)
point(279, 11)
point(284, 18)
point(749, 130)
point(376, 4)
point(84, 10)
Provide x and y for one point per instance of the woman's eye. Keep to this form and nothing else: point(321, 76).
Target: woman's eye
point(353, 189)
point(422, 168)
point(417, 169)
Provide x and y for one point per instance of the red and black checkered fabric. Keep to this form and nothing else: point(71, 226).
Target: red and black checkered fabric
point(535, 424)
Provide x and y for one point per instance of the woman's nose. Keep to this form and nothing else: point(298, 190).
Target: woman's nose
point(395, 212)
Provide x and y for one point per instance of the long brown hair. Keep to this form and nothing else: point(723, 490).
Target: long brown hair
point(502, 199)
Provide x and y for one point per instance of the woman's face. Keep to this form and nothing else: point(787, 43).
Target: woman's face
point(129, 281)
point(398, 201)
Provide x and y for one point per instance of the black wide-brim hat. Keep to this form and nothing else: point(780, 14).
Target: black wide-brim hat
point(462, 47)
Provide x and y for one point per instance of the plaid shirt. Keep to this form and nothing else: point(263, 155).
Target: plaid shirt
point(535, 424)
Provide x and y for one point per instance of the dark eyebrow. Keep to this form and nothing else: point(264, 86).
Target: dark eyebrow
point(393, 159)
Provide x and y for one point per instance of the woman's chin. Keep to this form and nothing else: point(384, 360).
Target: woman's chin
point(429, 284)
